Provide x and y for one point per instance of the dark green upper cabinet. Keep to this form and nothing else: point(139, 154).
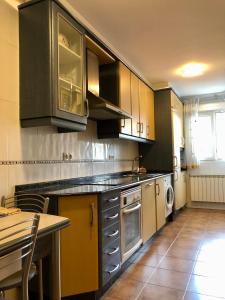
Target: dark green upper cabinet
point(52, 67)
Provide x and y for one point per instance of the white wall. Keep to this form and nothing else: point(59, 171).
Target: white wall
point(24, 151)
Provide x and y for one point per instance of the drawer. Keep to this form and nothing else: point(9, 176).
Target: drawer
point(110, 216)
point(110, 251)
point(110, 234)
point(110, 269)
point(110, 200)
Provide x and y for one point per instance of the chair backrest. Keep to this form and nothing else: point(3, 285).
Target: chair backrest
point(27, 202)
point(24, 233)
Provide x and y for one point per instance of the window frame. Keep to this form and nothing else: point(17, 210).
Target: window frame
point(212, 115)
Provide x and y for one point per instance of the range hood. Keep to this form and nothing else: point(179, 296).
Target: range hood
point(99, 108)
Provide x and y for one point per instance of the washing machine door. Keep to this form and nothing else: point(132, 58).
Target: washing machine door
point(169, 198)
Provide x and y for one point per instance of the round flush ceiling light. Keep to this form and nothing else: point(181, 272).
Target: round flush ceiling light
point(192, 69)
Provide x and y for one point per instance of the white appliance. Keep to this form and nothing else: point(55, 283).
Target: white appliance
point(130, 222)
point(169, 195)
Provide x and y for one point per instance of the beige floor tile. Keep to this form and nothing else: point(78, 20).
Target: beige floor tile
point(125, 289)
point(177, 264)
point(182, 253)
point(187, 244)
point(207, 285)
point(171, 279)
point(139, 272)
point(154, 292)
point(149, 259)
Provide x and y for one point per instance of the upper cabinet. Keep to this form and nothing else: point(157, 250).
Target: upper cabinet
point(133, 96)
point(115, 86)
point(125, 96)
point(52, 67)
point(146, 106)
point(178, 110)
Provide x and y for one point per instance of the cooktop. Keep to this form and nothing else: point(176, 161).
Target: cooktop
point(126, 179)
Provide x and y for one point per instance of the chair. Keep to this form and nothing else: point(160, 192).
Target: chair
point(34, 203)
point(25, 232)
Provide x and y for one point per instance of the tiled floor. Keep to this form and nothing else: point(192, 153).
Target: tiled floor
point(185, 262)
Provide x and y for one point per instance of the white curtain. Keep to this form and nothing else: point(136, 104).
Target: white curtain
point(191, 108)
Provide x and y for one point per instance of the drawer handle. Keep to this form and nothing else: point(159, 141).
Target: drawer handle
point(114, 251)
point(112, 217)
point(113, 199)
point(113, 234)
point(114, 270)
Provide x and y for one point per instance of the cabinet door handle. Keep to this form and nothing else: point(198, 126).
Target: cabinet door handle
point(114, 270)
point(147, 129)
point(158, 189)
point(138, 127)
point(175, 161)
point(112, 217)
point(113, 234)
point(123, 125)
point(149, 184)
point(175, 177)
point(92, 207)
point(113, 199)
point(114, 251)
point(87, 108)
point(142, 127)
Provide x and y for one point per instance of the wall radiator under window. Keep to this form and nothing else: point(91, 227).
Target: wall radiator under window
point(208, 188)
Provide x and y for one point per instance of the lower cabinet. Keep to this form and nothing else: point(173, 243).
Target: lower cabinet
point(180, 188)
point(148, 210)
point(160, 203)
point(79, 244)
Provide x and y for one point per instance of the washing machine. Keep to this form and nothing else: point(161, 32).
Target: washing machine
point(169, 195)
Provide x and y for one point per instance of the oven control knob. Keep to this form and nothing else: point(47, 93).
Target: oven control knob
point(125, 201)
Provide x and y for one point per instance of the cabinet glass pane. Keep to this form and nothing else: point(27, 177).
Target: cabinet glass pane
point(70, 68)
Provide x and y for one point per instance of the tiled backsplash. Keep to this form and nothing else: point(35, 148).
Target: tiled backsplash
point(35, 154)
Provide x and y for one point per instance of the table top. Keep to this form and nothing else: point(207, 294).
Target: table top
point(47, 225)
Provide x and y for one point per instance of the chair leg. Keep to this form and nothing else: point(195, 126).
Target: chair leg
point(40, 280)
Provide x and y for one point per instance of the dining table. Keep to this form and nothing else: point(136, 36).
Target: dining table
point(47, 244)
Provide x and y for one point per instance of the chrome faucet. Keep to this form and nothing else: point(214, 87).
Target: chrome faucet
point(137, 158)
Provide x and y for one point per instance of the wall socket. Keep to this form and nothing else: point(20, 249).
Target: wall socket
point(67, 156)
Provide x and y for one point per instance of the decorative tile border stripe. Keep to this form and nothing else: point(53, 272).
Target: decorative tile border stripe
point(38, 162)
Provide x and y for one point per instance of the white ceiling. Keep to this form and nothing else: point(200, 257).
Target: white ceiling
point(157, 36)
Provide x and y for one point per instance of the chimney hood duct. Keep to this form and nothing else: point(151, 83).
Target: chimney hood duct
point(99, 108)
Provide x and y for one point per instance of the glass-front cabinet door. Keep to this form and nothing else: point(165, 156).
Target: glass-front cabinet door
point(70, 68)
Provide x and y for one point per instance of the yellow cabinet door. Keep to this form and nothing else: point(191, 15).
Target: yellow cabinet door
point(148, 210)
point(160, 203)
point(150, 121)
point(135, 105)
point(79, 244)
point(125, 96)
point(143, 109)
point(178, 108)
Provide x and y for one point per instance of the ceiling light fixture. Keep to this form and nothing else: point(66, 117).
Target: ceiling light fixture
point(192, 69)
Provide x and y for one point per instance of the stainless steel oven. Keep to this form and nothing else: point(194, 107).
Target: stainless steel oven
point(130, 222)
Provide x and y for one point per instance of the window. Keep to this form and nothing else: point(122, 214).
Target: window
point(211, 136)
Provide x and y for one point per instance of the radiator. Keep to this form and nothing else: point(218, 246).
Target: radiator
point(208, 188)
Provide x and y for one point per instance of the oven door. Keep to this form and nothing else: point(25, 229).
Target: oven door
point(130, 229)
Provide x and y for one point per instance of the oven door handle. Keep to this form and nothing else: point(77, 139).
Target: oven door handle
point(129, 210)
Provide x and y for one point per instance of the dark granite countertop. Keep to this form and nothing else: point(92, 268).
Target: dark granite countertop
point(89, 185)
